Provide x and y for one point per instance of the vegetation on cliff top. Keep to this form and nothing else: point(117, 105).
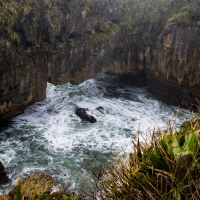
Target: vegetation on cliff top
point(142, 13)
point(166, 168)
point(135, 12)
point(15, 13)
point(183, 17)
point(20, 27)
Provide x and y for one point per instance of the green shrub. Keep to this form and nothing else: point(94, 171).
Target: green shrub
point(181, 16)
point(17, 193)
point(166, 168)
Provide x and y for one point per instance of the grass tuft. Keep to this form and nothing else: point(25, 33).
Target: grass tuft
point(168, 167)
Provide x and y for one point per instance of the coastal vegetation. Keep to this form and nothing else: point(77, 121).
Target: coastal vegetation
point(136, 14)
point(183, 17)
point(167, 166)
point(14, 13)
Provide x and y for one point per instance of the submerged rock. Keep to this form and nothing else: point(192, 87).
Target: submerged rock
point(3, 174)
point(102, 110)
point(82, 113)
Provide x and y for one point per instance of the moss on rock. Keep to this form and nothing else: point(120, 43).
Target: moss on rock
point(37, 184)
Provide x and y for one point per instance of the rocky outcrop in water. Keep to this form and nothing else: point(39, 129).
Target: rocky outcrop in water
point(3, 174)
point(71, 41)
point(102, 110)
point(82, 113)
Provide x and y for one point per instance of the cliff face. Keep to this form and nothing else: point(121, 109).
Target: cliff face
point(71, 41)
point(95, 43)
point(173, 66)
point(59, 42)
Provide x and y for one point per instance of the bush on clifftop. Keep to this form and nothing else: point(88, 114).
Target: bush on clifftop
point(166, 168)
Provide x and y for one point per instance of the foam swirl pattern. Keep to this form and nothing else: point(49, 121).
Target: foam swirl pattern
point(50, 137)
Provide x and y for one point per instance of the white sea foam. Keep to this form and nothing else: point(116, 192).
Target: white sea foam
point(49, 136)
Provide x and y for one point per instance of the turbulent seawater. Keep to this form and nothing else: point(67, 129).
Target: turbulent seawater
point(50, 137)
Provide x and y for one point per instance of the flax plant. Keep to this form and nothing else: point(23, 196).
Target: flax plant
point(167, 167)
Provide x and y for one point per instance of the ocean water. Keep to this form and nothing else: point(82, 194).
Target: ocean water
point(50, 137)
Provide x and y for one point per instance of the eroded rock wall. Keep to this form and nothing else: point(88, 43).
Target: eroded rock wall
point(71, 41)
point(173, 66)
point(95, 43)
point(59, 41)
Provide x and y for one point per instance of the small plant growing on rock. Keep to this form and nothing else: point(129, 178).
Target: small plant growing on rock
point(72, 197)
point(17, 193)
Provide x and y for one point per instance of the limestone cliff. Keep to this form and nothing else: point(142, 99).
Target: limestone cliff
point(70, 41)
point(173, 66)
point(172, 63)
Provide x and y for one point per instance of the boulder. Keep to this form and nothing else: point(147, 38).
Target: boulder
point(102, 110)
point(37, 184)
point(3, 174)
point(82, 113)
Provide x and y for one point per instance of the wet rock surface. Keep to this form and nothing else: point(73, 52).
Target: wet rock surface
point(82, 113)
point(3, 175)
point(102, 110)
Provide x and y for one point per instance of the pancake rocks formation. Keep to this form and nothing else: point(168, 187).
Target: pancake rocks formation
point(72, 41)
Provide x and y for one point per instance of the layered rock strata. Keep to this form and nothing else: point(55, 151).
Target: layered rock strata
point(71, 41)
point(60, 42)
point(173, 66)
